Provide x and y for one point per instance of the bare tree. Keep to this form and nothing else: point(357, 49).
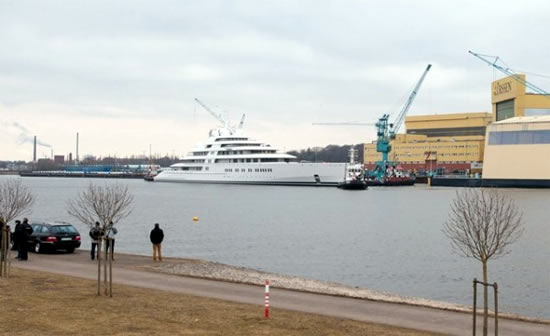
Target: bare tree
point(482, 225)
point(15, 199)
point(106, 205)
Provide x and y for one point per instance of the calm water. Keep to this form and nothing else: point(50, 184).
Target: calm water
point(386, 239)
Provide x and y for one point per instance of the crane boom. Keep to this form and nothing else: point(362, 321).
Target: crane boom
point(401, 116)
point(507, 71)
point(241, 123)
point(342, 124)
point(217, 116)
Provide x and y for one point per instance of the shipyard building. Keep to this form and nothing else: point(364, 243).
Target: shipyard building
point(511, 143)
point(517, 145)
point(445, 143)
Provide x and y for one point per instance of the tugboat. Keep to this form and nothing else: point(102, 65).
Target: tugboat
point(355, 177)
point(389, 176)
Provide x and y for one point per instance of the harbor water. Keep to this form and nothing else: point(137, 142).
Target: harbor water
point(387, 239)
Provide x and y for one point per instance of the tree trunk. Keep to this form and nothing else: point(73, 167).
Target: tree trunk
point(485, 299)
point(2, 252)
point(106, 288)
point(111, 271)
point(98, 247)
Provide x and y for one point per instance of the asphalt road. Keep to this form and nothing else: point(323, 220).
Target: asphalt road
point(125, 272)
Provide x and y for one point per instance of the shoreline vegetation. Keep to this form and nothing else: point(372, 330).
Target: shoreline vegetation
point(53, 304)
point(222, 272)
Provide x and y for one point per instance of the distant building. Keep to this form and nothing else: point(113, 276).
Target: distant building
point(510, 144)
point(59, 159)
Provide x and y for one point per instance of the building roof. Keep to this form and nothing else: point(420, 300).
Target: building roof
point(525, 120)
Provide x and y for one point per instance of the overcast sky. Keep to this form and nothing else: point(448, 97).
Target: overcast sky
point(124, 73)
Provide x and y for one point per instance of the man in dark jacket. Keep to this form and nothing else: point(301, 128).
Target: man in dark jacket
point(156, 236)
point(25, 232)
point(15, 238)
point(95, 235)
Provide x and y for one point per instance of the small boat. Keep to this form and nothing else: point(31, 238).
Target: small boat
point(355, 175)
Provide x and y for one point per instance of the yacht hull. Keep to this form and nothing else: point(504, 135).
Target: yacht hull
point(290, 174)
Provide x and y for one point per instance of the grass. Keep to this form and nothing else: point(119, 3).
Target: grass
point(35, 303)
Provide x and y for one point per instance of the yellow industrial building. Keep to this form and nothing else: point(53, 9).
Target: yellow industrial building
point(466, 141)
point(448, 142)
point(517, 146)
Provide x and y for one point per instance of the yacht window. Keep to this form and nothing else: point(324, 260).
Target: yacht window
point(256, 170)
point(235, 160)
point(249, 170)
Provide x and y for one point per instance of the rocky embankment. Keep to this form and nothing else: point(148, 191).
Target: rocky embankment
point(217, 271)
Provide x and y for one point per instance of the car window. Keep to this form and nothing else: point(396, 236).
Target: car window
point(35, 227)
point(45, 229)
point(63, 229)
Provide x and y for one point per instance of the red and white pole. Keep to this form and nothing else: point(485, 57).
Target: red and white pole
point(267, 299)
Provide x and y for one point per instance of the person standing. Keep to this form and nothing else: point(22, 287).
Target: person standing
point(156, 237)
point(15, 238)
point(95, 235)
point(25, 232)
point(111, 233)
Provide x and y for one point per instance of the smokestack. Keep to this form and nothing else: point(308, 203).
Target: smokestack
point(76, 146)
point(34, 150)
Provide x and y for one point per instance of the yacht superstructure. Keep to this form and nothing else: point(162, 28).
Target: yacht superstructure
point(230, 157)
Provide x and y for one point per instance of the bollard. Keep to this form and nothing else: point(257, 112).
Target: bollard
point(267, 299)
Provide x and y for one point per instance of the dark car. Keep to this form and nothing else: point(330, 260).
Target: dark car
point(53, 236)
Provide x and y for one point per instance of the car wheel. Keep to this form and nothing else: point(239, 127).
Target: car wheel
point(37, 248)
point(70, 250)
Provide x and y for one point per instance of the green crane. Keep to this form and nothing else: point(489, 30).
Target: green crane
point(386, 131)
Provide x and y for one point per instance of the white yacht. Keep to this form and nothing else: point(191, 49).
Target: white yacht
point(230, 157)
point(234, 158)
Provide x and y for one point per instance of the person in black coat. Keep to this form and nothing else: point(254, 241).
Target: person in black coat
point(95, 234)
point(15, 246)
point(24, 233)
point(156, 237)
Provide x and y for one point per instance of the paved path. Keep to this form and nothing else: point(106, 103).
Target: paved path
point(126, 273)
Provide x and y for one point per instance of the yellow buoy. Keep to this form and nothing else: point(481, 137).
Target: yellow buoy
point(195, 219)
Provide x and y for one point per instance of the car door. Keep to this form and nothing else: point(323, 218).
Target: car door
point(35, 234)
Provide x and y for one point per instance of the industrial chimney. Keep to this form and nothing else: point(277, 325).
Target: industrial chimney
point(76, 147)
point(34, 150)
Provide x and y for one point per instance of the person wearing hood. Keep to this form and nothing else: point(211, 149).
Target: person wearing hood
point(156, 237)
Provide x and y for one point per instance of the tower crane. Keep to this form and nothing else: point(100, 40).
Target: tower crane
point(508, 72)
